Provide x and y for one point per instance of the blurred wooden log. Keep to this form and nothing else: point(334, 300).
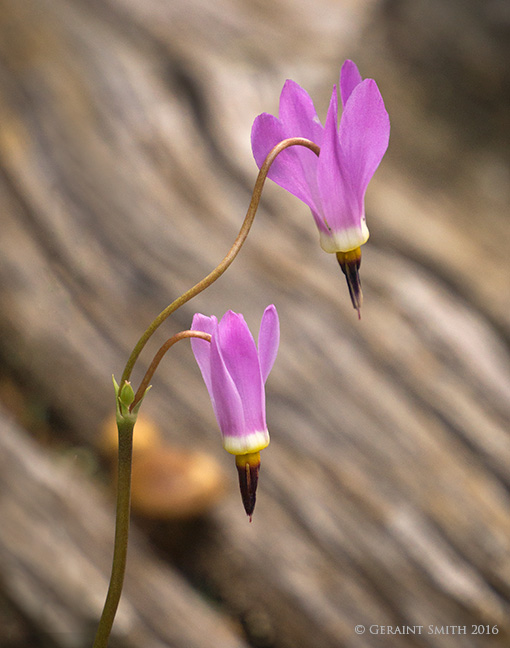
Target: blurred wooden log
point(56, 530)
point(125, 173)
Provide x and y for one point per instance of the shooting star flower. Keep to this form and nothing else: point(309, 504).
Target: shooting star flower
point(235, 372)
point(333, 185)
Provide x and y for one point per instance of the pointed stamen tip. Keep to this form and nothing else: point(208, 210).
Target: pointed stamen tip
point(248, 466)
point(350, 263)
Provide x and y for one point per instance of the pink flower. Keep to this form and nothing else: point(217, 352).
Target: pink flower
point(333, 185)
point(235, 372)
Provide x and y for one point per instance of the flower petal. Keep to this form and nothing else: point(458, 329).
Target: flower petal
point(241, 360)
point(364, 133)
point(202, 348)
point(298, 115)
point(335, 192)
point(225, 397)
point(269, 339)
point(349, 79)
point(287, 169)
point(341, 199)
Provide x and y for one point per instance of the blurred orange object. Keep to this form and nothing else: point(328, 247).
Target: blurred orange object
point(172, 483)
point(146, 436)
point(167, 482)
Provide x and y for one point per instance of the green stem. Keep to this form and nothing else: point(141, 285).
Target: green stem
point(125, 428)
point(231, 255)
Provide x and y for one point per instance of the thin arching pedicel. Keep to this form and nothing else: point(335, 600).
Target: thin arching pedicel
point(231, 255)
point(159, 356)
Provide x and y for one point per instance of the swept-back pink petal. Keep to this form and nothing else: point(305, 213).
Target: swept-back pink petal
point(342, 201)
point(225, 398)
point(364, 133)
point(349, 79)
point(269, 339)
point(202, 348)
point(287, 170)
point(299, 119)
point(339, 204)
point(298, 115)
point(241, 359)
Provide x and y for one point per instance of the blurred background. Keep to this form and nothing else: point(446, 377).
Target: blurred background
point(125, 173)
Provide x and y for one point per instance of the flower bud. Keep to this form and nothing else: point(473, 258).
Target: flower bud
point(126, 394)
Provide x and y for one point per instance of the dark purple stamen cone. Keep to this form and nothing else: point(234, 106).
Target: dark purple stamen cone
point(248, 466)
point(350, 263)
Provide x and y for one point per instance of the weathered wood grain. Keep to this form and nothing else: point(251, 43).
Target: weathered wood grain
point(125, 172)
point(56, 530)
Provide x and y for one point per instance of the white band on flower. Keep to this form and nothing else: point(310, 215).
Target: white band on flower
point(345, 240)
point(252, 442)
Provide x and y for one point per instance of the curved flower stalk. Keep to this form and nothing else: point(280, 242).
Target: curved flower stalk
point(334, 184)
point(235, 372)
